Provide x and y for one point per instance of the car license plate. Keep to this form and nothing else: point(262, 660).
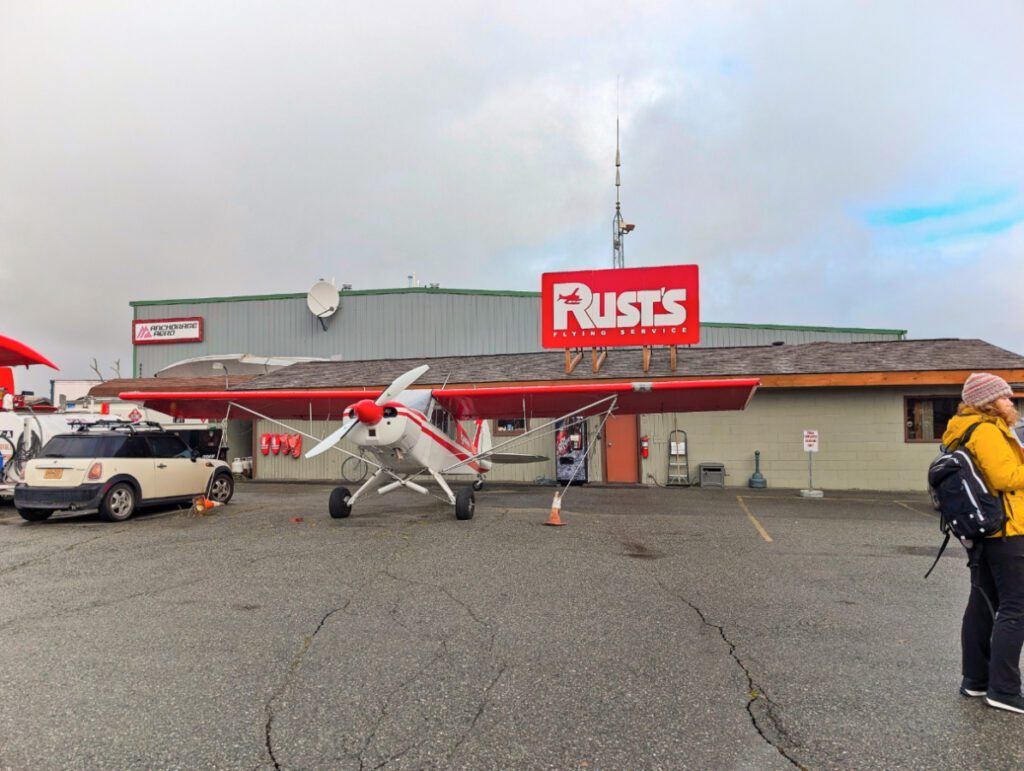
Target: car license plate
point(53, 473)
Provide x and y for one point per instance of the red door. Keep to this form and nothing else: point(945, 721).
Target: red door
point(621, 451)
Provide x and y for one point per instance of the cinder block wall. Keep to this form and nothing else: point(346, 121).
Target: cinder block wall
point(860, 432)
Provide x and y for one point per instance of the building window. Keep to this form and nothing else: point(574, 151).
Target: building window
point(926, 417)
point(509, 426)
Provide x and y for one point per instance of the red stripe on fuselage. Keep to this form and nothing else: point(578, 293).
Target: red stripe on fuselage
point(458, 450)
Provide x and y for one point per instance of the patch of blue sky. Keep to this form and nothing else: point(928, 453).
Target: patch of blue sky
point(979, 231)
point(959, 206)
point(959, 225)
point(732, 67)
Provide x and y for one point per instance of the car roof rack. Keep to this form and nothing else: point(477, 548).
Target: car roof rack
point(84, 426)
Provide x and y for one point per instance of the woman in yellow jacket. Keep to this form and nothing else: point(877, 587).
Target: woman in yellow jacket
point(993, 626)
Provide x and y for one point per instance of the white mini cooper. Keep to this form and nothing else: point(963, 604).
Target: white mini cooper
point(116, 468)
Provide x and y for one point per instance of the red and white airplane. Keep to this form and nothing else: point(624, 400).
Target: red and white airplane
point(408, 433)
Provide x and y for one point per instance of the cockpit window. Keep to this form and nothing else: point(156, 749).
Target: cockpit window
point(441, 418)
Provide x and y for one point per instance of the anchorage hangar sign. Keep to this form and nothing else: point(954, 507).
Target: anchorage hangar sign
point(626, 306)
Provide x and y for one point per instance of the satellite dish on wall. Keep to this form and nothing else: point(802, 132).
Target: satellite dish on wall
point(323, 300)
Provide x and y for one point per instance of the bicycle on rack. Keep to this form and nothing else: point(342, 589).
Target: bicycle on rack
point(15, 456)
point(7, 456)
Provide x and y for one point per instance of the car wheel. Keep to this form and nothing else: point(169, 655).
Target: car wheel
point(35, 515)
point(465, 503)
point(118, 504)
point(222, 488)
point(338, 505)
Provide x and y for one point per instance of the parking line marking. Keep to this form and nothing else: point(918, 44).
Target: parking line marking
point(916, 511)
point(752, 518)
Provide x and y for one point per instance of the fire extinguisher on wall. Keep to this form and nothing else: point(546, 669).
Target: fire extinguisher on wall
point(645, 447)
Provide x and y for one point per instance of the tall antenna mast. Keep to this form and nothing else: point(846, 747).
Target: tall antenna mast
point(619, 226)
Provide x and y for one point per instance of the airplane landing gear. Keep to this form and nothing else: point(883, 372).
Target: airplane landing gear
point(478, 484)
point(465, 503)
point(338, 504)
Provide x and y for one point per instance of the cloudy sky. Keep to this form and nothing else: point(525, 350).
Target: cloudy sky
point(839, 163)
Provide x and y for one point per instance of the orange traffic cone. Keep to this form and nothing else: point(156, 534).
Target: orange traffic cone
point(202, 503)
point(556, 507)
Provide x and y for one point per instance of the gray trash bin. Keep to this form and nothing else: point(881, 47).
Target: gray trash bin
point(712, 474)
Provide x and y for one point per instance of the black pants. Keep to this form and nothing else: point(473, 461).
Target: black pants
point(991, 646)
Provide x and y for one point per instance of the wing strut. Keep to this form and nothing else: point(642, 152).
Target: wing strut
point(581, 461)
point(612, 400)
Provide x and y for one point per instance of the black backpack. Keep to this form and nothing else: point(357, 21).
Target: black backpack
point(967, 508)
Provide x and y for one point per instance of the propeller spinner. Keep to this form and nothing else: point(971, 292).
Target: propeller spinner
point(367, 411)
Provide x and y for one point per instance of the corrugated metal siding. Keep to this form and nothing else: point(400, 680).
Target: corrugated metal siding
point(403, 325)
point(727, 337)
point(324, 467)
point(366, 327)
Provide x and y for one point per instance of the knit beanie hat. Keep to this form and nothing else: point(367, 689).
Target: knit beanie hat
point(982, 388)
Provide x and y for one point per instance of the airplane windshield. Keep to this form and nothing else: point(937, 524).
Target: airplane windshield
point(417, 400)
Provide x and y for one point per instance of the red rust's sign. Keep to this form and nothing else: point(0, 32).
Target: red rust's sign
point(153, 331)
point(626, 306)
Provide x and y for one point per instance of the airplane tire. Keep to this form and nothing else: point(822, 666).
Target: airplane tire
point(337, 504)
point(465, 503)
point(478, 484)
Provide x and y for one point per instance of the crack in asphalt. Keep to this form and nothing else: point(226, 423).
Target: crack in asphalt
point(441, 653)
point(480, 710)
point(442, 650)
point(394, 757)
point(26, 563)
point(268, 707)
point(106, 604)
point(69, 547)
point(464, 605)
point(760, 707)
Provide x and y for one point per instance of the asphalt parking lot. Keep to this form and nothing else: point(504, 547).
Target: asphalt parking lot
point(681, 628)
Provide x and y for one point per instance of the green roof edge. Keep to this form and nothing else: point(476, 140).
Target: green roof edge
point(865, 330)
point(344, 293)
point(492, 293)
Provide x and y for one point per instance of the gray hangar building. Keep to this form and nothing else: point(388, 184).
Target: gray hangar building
point(877, 400)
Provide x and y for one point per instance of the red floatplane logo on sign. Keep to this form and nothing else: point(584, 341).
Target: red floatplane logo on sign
point(627, 306)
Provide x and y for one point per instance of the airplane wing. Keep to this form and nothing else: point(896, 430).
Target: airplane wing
point(293, 404)
point(543, 401)
point(552, 401)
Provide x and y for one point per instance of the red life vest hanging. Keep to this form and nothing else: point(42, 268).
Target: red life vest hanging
point(265, 444)
point(275, 444)
point(297, 446)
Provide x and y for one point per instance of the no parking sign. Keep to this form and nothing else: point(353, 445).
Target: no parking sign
point(811, 445)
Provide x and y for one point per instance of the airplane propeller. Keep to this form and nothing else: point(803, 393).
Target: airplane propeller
point(369, 412)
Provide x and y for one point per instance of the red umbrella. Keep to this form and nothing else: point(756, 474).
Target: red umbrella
point(13, 353)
